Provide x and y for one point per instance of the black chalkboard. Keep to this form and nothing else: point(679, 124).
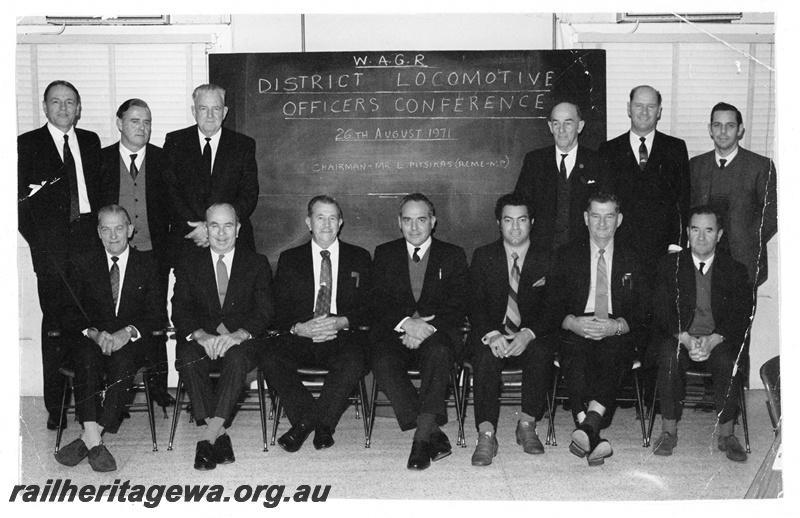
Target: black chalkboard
point(366, 127)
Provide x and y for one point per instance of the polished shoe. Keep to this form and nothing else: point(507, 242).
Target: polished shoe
point(73, 453)
point(53, 422)
point(485, 449)
point(292, 440)
point(204, 456)
point(164, 400)
point(439, 446)
point(420, 457)
point(600, 452)
point(665, 443)
point(323, 438)
point(582, 439)
point(732, 448)
point(223, 450)
point(100, 459)
point(526, 436)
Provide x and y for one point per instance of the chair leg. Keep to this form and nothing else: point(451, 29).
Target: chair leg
point(640, 409)
point(460, 441)
point(59, 430)
point(271, 393)
point(743, 409)
point(277, 419)
point(652, 415)
point(362, 395)
point(176, 412)
point(262, 408)
point(150, 413)
point(464, 379)
point(551, 427)
point(372, 403)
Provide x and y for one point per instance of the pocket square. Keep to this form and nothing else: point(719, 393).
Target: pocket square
point(539, 283)
point(356, 276)
point(627, 280)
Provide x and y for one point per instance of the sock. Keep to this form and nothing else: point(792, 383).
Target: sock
point(426, 425)
point(527, 418)
point(669, 425)
point(91, 434)
point(485, 426)
point(213, 429)
point(726, 429)
point(581, 416)
point(592, 420)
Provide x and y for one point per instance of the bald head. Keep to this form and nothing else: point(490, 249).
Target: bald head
point(644, 109)
point(565, 124)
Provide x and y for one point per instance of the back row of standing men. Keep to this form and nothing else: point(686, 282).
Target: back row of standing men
point(203, 165)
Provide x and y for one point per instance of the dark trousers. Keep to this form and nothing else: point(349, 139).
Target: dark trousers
point(536, 362)
point(157, 361)
point(96, 372)
point(194, 367)
point(343, 357)
point(673, 363)
point(593, 369)
point(391, 361)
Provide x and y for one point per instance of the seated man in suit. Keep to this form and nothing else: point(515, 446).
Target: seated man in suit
point(419, 292)
point(598, 296)
point(508, 281)
point(119, 309)
point(702, 306)
point(222, 301)
point(321, 290)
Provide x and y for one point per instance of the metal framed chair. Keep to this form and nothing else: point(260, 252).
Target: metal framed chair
point(770, 374)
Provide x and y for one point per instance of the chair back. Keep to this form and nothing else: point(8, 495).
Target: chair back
point(771, 377)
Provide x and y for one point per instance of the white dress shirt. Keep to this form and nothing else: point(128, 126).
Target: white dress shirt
point(648, 143)
point(569, 160)
point(706, 262)
point(595, 256)
point(728, 159)
point(58, 138)
point(214, 143)
point(227, 260)
point(126, 153)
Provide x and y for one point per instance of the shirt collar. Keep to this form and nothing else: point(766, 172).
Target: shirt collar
point(123, 257)
point(521, 251)
point(728, 158)
point(214, 138)
point(648, 140)
point(333, 249)
point(228, 255)
point(126, 153)
point(609, 249)
point(706, 261)
point(58, 135)
point(423, 248)
point(570, 154)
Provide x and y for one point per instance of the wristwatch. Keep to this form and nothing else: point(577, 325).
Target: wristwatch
point(293, 330)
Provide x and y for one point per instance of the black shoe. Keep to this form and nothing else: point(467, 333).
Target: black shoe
point(101, 459)
point(223, 450)
point(420, 457)
point(584, 440)
point(292, 440)
point(164, 400)
point(204, 456)
point(323, 438)
point(73, 453)
point(439, 446)
point(53, 422)
point(600, 452)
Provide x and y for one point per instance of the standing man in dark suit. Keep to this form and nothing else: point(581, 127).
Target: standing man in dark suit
point(207, 164)
point(57, 175)
point(222, 303)
point(132, 177)
point(508, 329)
point(702, 307)
point(321, 291)
point(649, 172)
point(741, 187)
point(598, 296)
point(419, 293)
point(118, 309)
point(558, 180)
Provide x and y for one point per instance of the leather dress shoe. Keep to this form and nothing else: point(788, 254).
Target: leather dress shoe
point(732, 448)
point(599, 452)
point(164, 400)
point(583, 441)
point(100, 459)
point(53, 422)
point(526, 436)
point(292, 440)
point(204, 456)
point(323, 438)
point(223, 450)
point(665, 443)
point(73, 453)
point(420, 457)
point(439, 446)
point(485, 449)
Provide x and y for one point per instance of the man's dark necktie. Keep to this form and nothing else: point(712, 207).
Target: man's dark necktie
point(563, 168)
point(115, 281)
point(722, 162)
point(72, 175)
point(207, 156)
point(601, 288)
point(325, 285)
point(416, 258)
point(513, 319)
point(702, 265)
point(642, 154)
point(134, 169)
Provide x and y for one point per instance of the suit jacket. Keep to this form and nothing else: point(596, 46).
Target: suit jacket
point(570, 283)
point(248, 301)
point(489, 280)
point(731, 296)
point(156, 198)
point(295, 291)
point(539, 180)
point(655, 202)
point(44, 217)
point(234, 180)
point(140, 302)
point(751, 218)
point(444, 291)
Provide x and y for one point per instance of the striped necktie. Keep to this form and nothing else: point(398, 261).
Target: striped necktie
point(601, 288)
point(513, 320)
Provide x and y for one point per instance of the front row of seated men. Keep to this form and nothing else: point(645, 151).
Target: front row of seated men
point(591, 309)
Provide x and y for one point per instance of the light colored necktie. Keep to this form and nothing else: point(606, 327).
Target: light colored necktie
point(601, 288)
point(513, 319)
point(222, 280)
point(115, 281)
point(642, 154)
point(323, 306)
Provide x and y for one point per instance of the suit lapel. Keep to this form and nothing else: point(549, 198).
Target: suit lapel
point(129, 282)
point(223, 156)
point(236, 278)
point(585, 278)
